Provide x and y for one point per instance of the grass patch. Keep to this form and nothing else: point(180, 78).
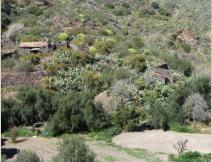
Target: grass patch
point(190, 157)
point(183, 128)
point(106, 134)
point(109, 158)
point(138, 153)
point(22, 132)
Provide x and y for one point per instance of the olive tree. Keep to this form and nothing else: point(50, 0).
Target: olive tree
point(196, 107)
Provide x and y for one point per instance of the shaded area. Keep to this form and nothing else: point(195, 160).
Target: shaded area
point(3, 141)
point(9, 152)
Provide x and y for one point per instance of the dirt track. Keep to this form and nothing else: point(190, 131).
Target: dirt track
point(160, 141)
point(153, 141)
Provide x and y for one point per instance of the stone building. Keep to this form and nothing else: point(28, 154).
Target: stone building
point(162, 73)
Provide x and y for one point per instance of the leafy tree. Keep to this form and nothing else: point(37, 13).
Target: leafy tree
point(76, 112)
point(196, 107)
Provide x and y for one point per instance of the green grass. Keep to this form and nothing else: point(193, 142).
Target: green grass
point(138, 153)
point(190, 157)
point(106, 134)
point(183, 128)
point(109, 158)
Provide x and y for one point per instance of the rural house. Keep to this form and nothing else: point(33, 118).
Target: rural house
point(7, 53)
point(162, 73)
point(34, 47)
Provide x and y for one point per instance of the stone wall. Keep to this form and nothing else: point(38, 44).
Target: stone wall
point(10, 80)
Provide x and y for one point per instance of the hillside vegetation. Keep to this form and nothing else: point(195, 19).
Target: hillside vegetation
point(100, 74)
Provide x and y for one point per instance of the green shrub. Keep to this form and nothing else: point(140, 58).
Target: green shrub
point(186, 47)
point(164, 12)
point(13, 134)
point(32, 58)
point(132, 51)
point(121, 73)
point(130, 118)
point(136, 61)
point(93, 81)
point(63, 36)
point(34, 10)
point(136, 43)
point(3, 158)
point(76, 113)
point(155, 5)
point(110, 43)
point(146, 13)
point(6, 105)
point(74, 149)
point(25, 67)
point(100, 47)
point(140, 85)
point(125, 5)
point(122, 12)
point(107, 134)
point(190, 157)
point(123, 51)
point(146, 51)
point(109, 5)
point(7, 64)
point(27, 156)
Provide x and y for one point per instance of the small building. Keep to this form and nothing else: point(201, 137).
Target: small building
point(34, 47)
point(7, 53)
point(162, 73)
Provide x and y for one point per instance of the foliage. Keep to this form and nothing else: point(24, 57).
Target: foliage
point(26, 156)
point(109, 5)
point(146, 13)
point(63, 36)
point(32, 58)
point(34, 10)
point(13, 134)
point(136, 61)
point(93, 81)
point(190, 156)
point(155, 5)
point(106, 134)
point(164, 12)
point(196, 107)
point(74, 149)
point(130, 118)
point(25, 67)
point(122, 12)
point(77, 113)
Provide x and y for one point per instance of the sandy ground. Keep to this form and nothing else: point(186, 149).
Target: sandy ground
point(160, 141)
point(155, 141)
point(45, 148)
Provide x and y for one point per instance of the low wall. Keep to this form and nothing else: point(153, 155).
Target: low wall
point(10, 80)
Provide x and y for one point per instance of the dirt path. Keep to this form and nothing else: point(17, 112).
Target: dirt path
point(160, 141)
point(45, 148)
point(150, 146)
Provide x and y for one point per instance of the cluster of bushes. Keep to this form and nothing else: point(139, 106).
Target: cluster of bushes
point(172, 104)
point(77, 113)
point(33, 105)
point(122, 12)
point(136, 61)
